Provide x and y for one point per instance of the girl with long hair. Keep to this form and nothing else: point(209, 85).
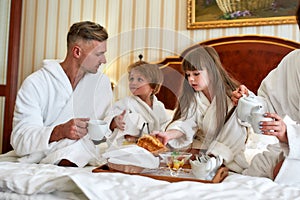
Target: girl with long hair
point(205, 118)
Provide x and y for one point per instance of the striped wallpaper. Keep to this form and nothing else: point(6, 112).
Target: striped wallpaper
point(4, 27)
point(154, 28)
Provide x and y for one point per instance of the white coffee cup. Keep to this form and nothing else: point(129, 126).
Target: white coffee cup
point(97, 129)
point(256, 118)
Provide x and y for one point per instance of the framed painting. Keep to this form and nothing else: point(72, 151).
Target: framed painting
point(234, 13)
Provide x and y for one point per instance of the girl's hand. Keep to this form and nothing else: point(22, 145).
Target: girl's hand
point(276, 128)
point(162, 136)
point(238, 93)
point(166, 136)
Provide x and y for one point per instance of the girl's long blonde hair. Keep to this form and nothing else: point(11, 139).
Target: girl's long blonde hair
point(221, 84)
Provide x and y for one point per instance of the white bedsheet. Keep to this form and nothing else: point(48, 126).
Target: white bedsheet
point(38, 181)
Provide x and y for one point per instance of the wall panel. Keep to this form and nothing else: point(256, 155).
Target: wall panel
point(2, 105)
point(28, 42)
point(40, 37)
point(62, 23)
point(4, 27)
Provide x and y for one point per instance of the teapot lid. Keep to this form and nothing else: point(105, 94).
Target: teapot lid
point(251, 99)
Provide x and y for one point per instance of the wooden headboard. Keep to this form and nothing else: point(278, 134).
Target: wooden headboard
point(248, 58)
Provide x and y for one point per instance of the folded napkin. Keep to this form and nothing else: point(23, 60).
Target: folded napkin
point(132, 155)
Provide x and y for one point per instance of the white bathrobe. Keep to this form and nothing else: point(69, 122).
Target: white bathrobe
point(46, 99)
point(281, 89)
point(230, 143)
point(137, 113)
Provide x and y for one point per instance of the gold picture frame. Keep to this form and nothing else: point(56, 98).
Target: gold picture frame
point(217, 20)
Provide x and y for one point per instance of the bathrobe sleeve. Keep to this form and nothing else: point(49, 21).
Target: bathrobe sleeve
point(230, 144)
point(160, 112)
point(29, 133)
point(289, 171)
point(292, 149)
point(188, 127)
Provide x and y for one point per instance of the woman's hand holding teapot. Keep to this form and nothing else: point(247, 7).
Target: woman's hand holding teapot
point(238, 93)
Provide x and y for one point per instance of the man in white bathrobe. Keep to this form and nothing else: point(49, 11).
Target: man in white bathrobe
point(55, 103)
point(281, 90)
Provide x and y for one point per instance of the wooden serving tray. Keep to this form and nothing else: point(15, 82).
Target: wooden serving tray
point(221, 174)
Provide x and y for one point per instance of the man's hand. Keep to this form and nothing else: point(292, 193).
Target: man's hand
point(238, 93)
point(74, 129)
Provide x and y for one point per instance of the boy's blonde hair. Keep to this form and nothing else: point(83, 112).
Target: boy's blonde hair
point(152, 73)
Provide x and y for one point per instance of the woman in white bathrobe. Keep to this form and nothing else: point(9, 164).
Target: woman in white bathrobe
point(140, 112)
point(281, 90)
point(205, 119)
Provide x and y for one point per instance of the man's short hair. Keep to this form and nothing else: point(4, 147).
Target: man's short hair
point(87, 31)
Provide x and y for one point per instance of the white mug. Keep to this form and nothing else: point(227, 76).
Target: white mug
point(97, 129)
point(256, 118)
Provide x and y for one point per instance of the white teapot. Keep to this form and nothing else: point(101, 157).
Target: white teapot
point(247, 105)
point(257, 116)
point(251, 109)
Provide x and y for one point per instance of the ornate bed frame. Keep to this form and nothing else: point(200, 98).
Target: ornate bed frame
point(248, 58)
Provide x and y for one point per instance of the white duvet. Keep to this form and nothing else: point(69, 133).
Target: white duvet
point(42, 181)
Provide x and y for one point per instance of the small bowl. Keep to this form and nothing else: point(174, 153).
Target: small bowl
point(175, 160)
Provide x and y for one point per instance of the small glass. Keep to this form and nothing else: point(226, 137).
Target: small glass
point(175, 161)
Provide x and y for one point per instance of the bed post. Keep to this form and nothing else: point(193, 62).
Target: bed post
point(10, 89)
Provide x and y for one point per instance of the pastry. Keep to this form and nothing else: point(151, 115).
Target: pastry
point(152, 144)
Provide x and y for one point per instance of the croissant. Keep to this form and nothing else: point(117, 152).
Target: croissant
point(152, 144)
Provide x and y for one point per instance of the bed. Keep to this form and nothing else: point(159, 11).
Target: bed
point(248, 58)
